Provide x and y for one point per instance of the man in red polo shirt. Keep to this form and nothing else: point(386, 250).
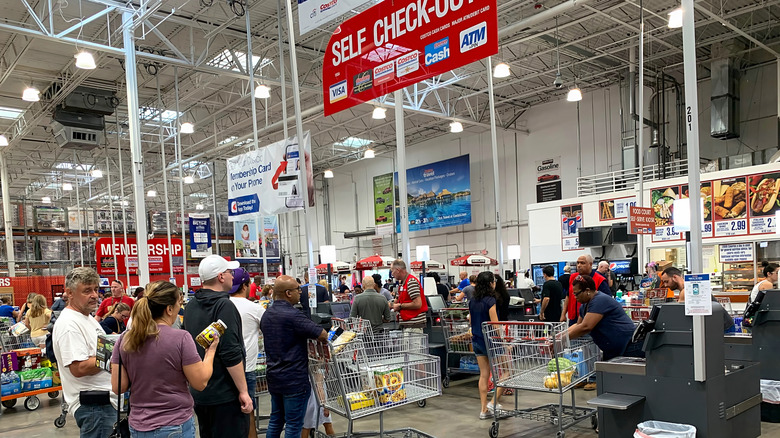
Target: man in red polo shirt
point(117, 296)
point(411, 305)
point(584, 267)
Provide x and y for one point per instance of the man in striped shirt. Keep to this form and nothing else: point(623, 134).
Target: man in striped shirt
point(410, 304)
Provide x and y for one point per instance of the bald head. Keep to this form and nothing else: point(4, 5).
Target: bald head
point(369, 283)
point(603, 267)
point(585, 264)
point(463, 275)
point(286, 288)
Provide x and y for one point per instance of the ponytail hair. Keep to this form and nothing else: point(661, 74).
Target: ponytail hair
point(159, 295)
point(118, 307)
point(769, 268)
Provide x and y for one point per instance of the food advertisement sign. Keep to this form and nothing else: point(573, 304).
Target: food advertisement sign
point(384, 199)
point(662, 200)
point(611, 209)
point(706, 201)
point(729, 207)
point(438, 195)
point(641, 220)
point(764, 203)
point(571, 222)
point(548, 180)
point(402, 42)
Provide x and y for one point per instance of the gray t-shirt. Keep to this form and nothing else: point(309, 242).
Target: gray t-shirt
point(371, 306)
point(386, 293)
point(469, 291)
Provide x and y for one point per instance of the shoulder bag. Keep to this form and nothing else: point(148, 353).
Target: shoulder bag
point(122, 425)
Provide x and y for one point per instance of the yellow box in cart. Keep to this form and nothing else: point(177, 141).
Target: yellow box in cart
point(358, 400)
point(390, 385)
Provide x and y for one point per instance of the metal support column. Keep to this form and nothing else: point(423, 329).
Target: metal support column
point(692, 122)
point(165, 180)
point(7, 221)
point(124, 209)
point(135, 148)
point(400, 144)
point(640, 248)
point(496, 173)
point(179, 159)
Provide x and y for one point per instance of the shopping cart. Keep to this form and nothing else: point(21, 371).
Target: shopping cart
point(27, 352)
point(261, 387)
point(637, 313)
point(539, 356)
point(362, 378)
point(361, 327)
point(457, 341)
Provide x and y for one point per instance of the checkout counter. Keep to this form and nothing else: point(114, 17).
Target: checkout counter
point(662, 386)
point(762, 344)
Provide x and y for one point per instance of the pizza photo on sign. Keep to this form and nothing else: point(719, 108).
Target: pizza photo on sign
point(729, 199)
point(763, 194)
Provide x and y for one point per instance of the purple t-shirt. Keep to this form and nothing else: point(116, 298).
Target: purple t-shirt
point(159, 395)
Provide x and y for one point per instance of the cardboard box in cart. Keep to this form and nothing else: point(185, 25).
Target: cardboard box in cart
point(105, 348)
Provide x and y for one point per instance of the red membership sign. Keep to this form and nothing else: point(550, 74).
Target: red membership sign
point(401, 42)
point(641, 220)
point(127, 256)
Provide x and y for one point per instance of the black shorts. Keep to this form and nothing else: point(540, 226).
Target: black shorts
point(223, 421)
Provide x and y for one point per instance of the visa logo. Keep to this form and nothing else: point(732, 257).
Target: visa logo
point(438, 51)
point(338, 91)
point(473, 37)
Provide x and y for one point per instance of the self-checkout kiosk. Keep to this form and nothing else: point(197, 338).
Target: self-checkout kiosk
point(662, 386)
point(761, 345)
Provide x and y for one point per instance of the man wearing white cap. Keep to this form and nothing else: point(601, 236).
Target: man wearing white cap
point(223, 407)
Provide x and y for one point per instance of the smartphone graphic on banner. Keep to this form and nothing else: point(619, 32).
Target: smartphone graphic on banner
point(289, 184)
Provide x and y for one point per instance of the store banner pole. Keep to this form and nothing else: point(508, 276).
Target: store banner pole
point(400, 142)
point(304, 177)
point(122, 194)
point(692, 119)
point(496, 174)
point(251, 68)
point(282, 74)
point(111, 214)
point(78, 209)
point(7, 220)
point(641, 137)
point(214, 198)
point(133, 116)
point(165, 180)
point(179, 158)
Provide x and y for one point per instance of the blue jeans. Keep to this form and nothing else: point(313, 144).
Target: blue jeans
point(95, 421)
point(251, 386)
point(287, 412)
point(184, 430)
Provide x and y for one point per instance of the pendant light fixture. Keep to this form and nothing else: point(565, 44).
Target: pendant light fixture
point(151, 193)
point(575, 95)
point(675, 19)
point(67, 187)
point(187, 128)
point(189, 179)
point(456, 127)
point(46, 200)
point(262, 91)
point(3, 140)
point(369, 153)
point(85, 60)
point(328, 174)
point(501, 70)
point(31, 94)
point(379, 113)
point(96, 173)
point(199, 207)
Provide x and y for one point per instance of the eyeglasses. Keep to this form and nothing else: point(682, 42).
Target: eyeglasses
point(125, 315)
point(228, 271)
point(297, 288)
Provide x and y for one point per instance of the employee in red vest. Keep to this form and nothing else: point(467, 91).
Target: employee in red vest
point(410, 303)
point(117, 296)
point(584, 267)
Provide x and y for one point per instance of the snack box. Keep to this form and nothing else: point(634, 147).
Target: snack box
point(9, 362)
point(105, 347)
point(358, 400)
point(30, 362)
point(27, 352)
point(390, 385)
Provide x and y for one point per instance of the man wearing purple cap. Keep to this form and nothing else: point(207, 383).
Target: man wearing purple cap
point(251, 314)
point(223, 407)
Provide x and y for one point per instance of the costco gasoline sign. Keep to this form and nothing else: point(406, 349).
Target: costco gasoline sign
point(400, 43)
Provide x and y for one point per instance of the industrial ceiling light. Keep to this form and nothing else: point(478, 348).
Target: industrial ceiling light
point(46, 200)
point(96, 173)
point(85, 60)
point(189, 179)
point(67, 187)
point(379, 113)
point(3, 140)
point(262, 91)
point(558, 82)
point(199, 207)
point(328, 174)
point(31, 94)
point(369, 153)
point(125, 203)
point(501, 70)
point(456, 127)
point(575, 95)
point(676, 19)
point(187, 128)
point(151, 193)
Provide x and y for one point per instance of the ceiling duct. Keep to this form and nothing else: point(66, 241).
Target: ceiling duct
point(72, 137)
point(87, 100)
point(724, 94)
point(355, 234)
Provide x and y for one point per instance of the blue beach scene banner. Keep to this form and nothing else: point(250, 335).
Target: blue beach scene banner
point(438, 194)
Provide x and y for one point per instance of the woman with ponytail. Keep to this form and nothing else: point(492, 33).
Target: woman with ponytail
point(157, 364)
point(114, 323)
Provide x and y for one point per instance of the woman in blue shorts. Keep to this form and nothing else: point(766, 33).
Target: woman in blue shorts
point(482, 307)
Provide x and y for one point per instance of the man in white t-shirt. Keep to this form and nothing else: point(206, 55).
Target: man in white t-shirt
point(251, 314)
point(87, 388)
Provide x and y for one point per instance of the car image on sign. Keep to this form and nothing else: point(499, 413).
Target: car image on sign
point(547, 177)
point(381, 219)
point(380, 200)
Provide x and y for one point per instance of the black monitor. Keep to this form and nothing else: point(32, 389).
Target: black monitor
point(527, 295)
point(514, 292)
point(324, 308)
point(340, 310)
point(591, 237)
point(436, 303)
point(620, 234)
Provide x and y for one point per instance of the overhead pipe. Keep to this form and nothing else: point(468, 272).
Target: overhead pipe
point(547, 14)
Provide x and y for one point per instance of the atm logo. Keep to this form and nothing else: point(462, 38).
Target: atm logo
point(473, 37)
point(338, 91)
point(438, 51)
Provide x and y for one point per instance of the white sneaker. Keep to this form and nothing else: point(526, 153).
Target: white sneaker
point(485, 415)
point(498, 407)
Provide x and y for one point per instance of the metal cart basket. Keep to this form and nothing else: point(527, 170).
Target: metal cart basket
point(457, 341)
point(539, 356)
point(261, 387)
point(362, 378)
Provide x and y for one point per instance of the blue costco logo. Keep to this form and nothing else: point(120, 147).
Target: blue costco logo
point(438, 51)
point(473, 37)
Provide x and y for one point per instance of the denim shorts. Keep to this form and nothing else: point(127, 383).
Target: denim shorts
point(184, 430)
point(479, 348)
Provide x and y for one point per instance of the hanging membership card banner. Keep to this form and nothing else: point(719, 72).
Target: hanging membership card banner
point(317, 13)
point(267, 180)
point(200, 235)
point(398, 43)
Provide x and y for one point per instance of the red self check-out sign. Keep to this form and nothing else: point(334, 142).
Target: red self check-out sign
point(401, 42)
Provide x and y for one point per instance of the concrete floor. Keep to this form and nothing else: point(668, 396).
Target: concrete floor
point(455, 414)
